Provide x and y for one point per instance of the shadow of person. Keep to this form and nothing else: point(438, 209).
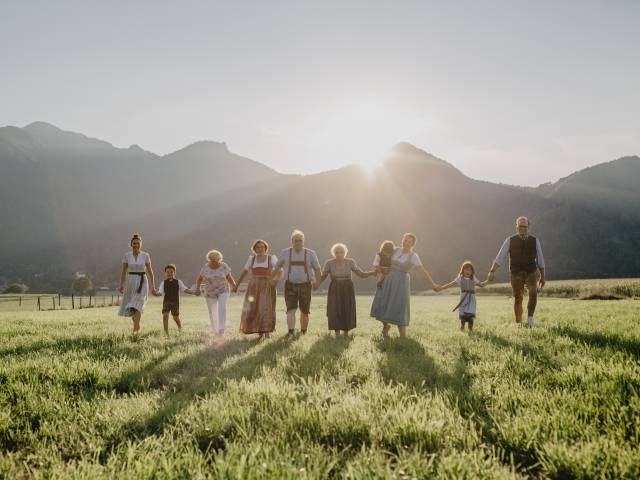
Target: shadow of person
point(534, 352)
point(322, 358)
point(95, 346)
point(601, 340)
point(204, 372)
point(406, 362)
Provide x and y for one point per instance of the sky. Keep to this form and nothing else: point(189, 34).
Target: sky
point(517, 92)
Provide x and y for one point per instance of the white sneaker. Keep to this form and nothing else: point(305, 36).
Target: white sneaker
point(531, 323)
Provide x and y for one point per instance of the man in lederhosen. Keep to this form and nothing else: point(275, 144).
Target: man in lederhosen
point(301, 270)
point(525, 260)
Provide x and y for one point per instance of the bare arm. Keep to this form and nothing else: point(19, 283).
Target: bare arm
point(424, 274)
point(198, 284)
point(362, 274)
point(242, 275)
point(152, 278)
point(318, 275)
point(358, 271)
point(123, 274)
point(453, 283)
point(232, 281)
point(322, 278)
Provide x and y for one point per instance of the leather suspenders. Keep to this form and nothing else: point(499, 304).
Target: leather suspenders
point(298, 263)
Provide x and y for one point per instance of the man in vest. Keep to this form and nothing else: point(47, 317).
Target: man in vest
point(301, 271)
point(525, 259)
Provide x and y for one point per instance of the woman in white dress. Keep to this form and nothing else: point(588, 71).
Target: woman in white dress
point(216, 277)
point(134, 282)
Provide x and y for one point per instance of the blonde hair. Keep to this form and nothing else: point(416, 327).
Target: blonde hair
point(522, 218)
point(216, 254)
point(297, 233)
point(337, 246)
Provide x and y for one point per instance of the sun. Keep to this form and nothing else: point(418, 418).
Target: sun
point(364, 132)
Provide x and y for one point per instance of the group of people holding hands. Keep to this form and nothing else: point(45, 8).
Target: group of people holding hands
point(302, 273)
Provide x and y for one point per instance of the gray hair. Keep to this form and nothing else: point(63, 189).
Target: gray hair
point(337, 246)
point(215, 255)
point(297, 233)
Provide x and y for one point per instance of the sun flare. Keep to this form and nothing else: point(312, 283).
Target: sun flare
point(364, 132)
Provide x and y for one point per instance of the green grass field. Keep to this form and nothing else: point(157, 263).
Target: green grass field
point(80, 399)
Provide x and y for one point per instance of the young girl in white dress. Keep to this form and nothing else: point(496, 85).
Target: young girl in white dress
point(134, 282)
point(467, 282)
point(216, 277)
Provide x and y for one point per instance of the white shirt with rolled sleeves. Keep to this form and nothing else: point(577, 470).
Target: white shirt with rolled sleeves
point(503, 253)
point(298, 274)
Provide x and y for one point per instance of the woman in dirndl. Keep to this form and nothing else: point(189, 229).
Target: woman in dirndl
point(134, 282)
point(259, 308)
point(392, 301)
point(341, 298)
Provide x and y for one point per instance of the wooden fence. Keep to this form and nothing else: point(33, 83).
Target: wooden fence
point(57, 302)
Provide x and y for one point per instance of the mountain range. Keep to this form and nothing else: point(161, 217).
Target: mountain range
point(70, 203)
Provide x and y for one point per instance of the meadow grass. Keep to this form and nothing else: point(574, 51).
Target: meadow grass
point(79, 398)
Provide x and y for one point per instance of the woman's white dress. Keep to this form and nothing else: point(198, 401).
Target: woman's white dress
point(132, 300)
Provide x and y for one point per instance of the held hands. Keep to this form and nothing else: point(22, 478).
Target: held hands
point(490, 277)
point(156, 293)
point(121, 289)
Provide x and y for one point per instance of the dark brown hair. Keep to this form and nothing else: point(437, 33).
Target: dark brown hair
point(387, 247)
point(466, 264)
point(172, 266)
point(258, 241)
point(136, 236)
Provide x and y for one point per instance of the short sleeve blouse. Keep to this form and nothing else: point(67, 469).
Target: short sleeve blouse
point(215, 279)
point(398, 255)
point(265, 264)
point(136, 264)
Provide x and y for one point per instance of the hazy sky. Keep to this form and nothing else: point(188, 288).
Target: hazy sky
point(509, 91)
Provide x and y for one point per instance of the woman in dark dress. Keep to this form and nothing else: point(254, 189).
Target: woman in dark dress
point(341, 299)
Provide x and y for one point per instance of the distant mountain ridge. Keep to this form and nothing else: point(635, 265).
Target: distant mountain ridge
point(70, 202)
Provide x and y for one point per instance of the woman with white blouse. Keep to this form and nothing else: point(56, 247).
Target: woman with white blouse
point(216, 277)
point(134, 282)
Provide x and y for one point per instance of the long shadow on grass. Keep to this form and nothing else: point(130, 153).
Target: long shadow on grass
point(534, 352)
point(323, 357)
point(97, 347)
point(197, 375)
point(407, 362)
point(601, 340)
